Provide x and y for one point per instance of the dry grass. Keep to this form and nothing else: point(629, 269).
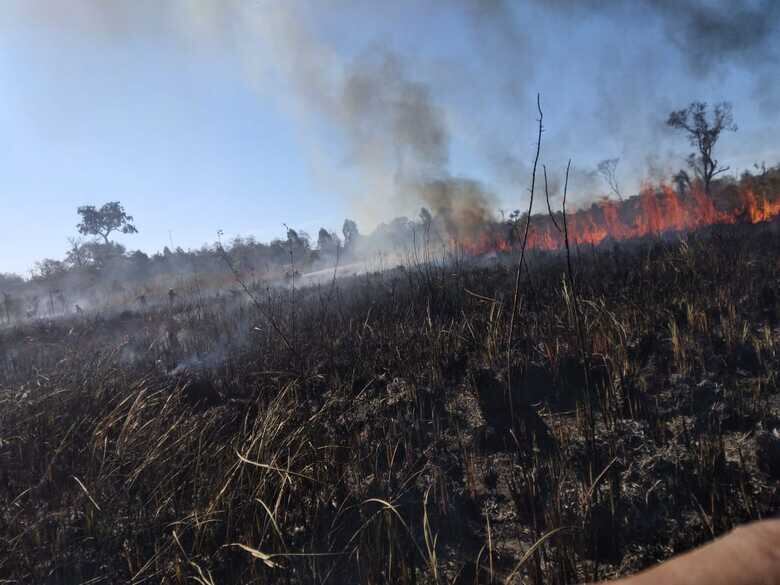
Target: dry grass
point(375, 445)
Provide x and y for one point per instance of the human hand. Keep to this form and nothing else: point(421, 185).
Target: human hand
point(748, 555)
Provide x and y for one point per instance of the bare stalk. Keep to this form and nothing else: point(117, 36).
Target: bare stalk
point(518, 272)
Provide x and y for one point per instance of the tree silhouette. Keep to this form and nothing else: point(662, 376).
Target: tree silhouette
point(102, 222)
point(350, 231)
point(608, 170)
point(703, 133)
point(327, 242)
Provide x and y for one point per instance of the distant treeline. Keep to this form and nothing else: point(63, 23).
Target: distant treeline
point(93, 270)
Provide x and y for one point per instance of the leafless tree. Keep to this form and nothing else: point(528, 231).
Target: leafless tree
point(78, 254)
point(703, 132)
point(607, 169)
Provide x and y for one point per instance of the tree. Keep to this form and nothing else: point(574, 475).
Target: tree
point(77, 255)
point(139, 258)
point(48, 268)
point(703, 131)
point(327, 242)
point(608, 170)
point(99, 255)
point(139, 265)
point(426, 219)
point(350, 231)
point(104, 221)
point(298, 243)
point(10, 281)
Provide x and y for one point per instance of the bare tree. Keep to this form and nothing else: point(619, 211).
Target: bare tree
point(607, 169)
point(78, 254)
point(703, 131)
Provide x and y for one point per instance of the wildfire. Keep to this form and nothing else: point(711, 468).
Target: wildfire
point(760, 209)
point(655, 211)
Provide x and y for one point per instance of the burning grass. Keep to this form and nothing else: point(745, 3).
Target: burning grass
point(372, 430)
point(657, 210)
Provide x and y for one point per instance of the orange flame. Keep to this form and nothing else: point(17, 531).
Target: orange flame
point(656, 210)
point(759, 209)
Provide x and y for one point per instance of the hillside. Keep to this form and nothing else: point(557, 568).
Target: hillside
point(401, 426)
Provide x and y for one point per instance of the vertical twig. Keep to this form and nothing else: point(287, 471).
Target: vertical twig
point(515, 294)
point(528, 220)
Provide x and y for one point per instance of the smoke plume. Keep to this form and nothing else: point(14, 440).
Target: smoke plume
point(385, 118)
point(463, 206)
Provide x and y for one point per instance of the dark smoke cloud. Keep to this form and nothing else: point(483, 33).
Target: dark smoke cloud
point(708, 33)
point(712, 34)
point(392, 113)
point(463, 206)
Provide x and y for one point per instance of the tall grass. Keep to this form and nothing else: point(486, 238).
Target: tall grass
point(210, 442)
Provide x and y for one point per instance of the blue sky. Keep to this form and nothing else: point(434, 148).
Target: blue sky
point(181, 141)
point(223, 114)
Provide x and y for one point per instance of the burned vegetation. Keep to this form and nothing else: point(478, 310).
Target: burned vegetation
point(404, 426)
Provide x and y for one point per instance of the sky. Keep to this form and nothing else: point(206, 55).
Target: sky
point(244, 115)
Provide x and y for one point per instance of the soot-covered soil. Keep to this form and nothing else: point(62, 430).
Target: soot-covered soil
point(398, 428)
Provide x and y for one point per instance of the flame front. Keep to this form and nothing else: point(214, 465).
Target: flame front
point(656, 210)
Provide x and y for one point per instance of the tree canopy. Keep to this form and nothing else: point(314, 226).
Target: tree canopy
point(703, 130)
point(111, 217)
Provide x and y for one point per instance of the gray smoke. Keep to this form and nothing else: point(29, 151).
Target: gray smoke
point(462, 206)
point(708, 32)
point(394, 116)
point(711, 34)
point(391, 119)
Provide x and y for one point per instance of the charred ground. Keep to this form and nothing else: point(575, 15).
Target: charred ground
point(389, 428)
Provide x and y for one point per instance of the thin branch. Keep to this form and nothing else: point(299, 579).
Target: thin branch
point(720, 170)
point(520, 265)
point(528, 220)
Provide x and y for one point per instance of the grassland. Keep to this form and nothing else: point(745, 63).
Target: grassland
point(403, 426)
